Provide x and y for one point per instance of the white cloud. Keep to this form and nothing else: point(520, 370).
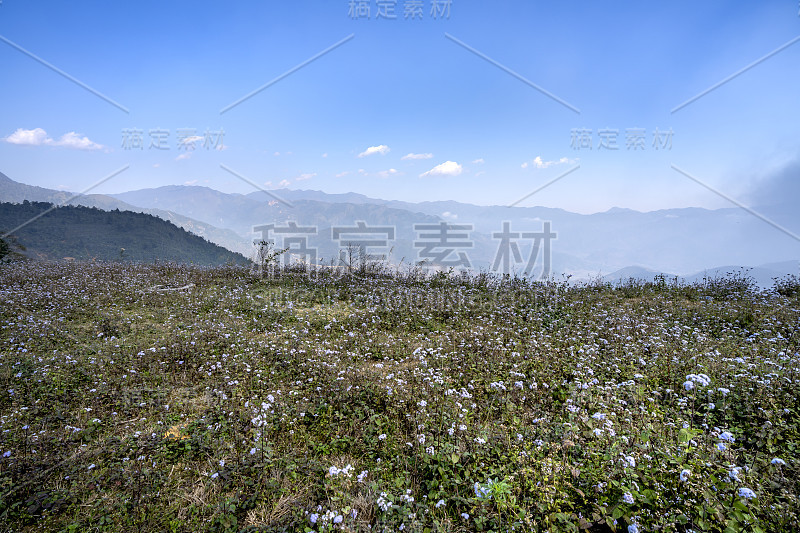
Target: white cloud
point(448, 214)
point(284, 183)
point(448, 168)
point(185, 155)
point(38, 137)
point(303, 177)
point(539, 163)
point(156, 165)
point(325, 155)
point(343, 174)
point(268, 184)
point(190, 182)
point(380, 149)
point(276, 154)
point(34, 137)
point(386, 173)
point(416, 156)
point(478, 161)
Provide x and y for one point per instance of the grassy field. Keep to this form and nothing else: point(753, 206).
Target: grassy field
point(388, 402)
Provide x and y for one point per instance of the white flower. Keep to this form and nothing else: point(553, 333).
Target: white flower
point(313, 518)
point(685, 473)
point(480, 440)
point(423, 403)
point(633, 528)
point(382, 436)
point(746, 493)
point(726, 436)
point(627, 497)
point(777, 461)
point(688, 385)
point(440, 503)
point(465, 516)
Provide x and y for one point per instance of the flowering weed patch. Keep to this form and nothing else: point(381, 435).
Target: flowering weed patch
point(392, 402)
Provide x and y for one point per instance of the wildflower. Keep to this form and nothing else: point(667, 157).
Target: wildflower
point(721, 446)
point(633, 528)
point(746, 493)
point(685, 473)
point(627, 497)
point(777, 461)
point(7, 454)
point(734, 473)
point(313, 517)
point(423, 403)
point(481, 491)
point(726, 436)
point(338, 519)
point(631, 461)
point(480, 440)
point(440, 503)
point(688, 385)
point(382, 436)
point(465, 516)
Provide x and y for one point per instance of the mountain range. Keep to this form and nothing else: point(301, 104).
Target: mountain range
point(683, 241)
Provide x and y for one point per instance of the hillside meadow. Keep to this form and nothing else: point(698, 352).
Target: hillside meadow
point(164, 397)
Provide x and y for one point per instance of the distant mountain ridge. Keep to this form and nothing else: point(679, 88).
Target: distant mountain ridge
point(681, 240)
point(15, 192)
point(684, 241)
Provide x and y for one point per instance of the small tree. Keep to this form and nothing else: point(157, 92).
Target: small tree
point(266, 259)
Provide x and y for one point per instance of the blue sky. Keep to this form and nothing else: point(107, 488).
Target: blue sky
point(349, 120)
